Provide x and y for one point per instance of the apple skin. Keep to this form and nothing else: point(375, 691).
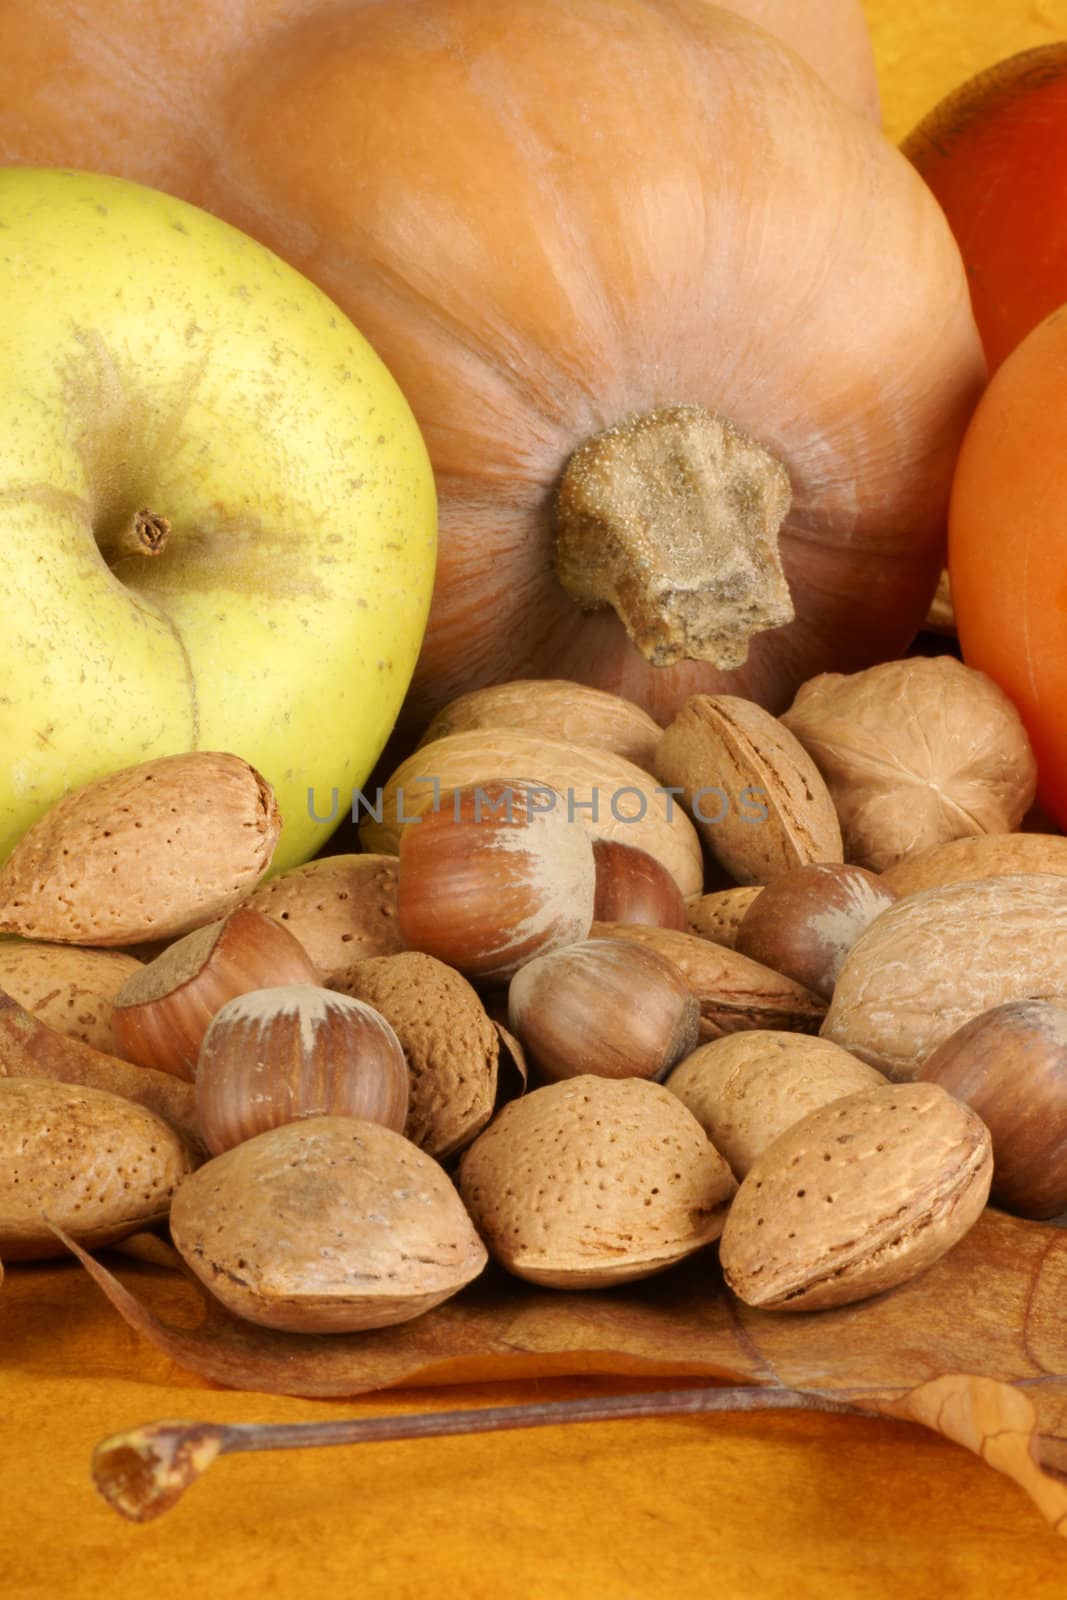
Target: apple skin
point(154, 357)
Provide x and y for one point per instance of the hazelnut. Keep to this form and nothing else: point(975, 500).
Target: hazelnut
point(1010, 1066)
point(805, 922)
point(279, 1055)
point(633, 887)
point(162, 1011)
point(604, 1006)
point(496, 875)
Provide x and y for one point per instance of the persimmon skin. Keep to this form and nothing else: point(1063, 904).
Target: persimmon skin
point(994, 152)
point(1008, 545)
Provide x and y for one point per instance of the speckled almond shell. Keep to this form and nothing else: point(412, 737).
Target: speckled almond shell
point(915, 753)
point(326, 1226)
point(149, 852)
point(629, 805)
point(70, 989)
point(726, 743)
point(97, 1165)
point(559, 709)
point(341, 908)
point(747, 1089)
point(856, 1198)
point(936, 959)
point(990, 855)
point(594, 1181)
point(451, 1047)
point(717, 916)
point(734, 992)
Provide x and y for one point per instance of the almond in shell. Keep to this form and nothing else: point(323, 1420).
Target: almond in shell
point(856, 1198)
point(594, 1181)
point(147, 853)
point(717, 916)
point(326, 1226)
point(341, 908)
point(451, 1047)
point(69, 988)
point(754, 792)
point(746, 1089)
point(98, 1166)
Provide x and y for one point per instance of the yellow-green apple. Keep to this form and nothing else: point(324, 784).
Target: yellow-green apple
point(217, 515)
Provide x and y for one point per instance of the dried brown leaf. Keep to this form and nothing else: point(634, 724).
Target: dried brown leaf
point(976, 1348)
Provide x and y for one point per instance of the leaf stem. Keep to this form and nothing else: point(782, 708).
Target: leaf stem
point(143, 1472)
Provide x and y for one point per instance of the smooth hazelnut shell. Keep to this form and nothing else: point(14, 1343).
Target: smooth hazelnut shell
point(487, 882)
point(608, 1007)
point(1010, 1066)
point(804, 923)
point(279, 1055)
point(162, 1011)
point(633, 887)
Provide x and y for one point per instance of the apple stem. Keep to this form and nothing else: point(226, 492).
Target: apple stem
point(145, 534)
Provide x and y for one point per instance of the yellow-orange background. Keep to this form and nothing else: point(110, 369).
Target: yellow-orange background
point(787, 1506)
point(926, 47)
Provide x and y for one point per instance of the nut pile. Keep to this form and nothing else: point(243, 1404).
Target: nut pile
point(792, 984)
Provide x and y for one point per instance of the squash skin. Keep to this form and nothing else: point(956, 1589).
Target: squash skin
point(830, 35)
point(584, 268)
point(994, 153)
point(125, 86)
point(1008, 550)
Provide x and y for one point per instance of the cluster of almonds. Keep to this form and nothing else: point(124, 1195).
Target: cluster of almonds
point(827, 1060)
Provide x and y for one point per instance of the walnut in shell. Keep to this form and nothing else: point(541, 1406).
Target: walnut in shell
point(450, 1045)
point(326, 1226)
point(341, 908)
point(69, 988)
point(746, 1089)
point(915, 753)
point(856, 1198)
point(95, 1164)
point(594, 1181)
point(148, 852)
point(936, 959)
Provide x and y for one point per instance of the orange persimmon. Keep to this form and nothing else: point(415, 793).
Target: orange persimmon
point(994, 152)
point(1008, 544)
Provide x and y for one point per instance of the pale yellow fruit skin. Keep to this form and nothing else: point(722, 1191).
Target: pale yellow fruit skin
point(153, 356)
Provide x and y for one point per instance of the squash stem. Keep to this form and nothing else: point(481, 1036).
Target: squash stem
point(672, 518)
